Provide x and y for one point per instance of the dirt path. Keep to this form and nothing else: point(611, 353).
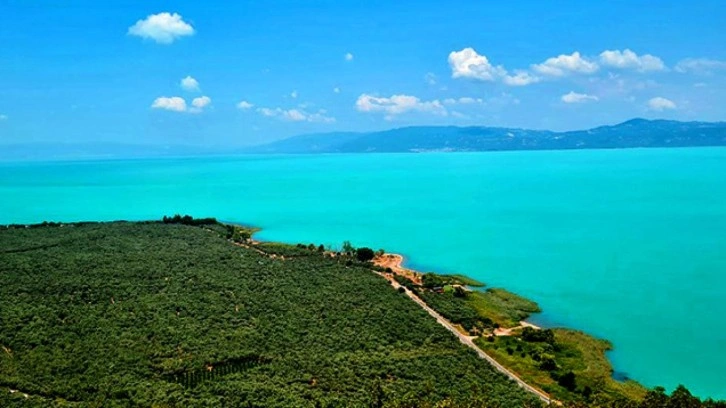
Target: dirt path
point(395, 262)
point(469, 341)
point(508, 331)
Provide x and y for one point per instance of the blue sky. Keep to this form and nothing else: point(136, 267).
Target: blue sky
point(88, 71)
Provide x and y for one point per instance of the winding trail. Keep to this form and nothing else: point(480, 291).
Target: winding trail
point(468, 341)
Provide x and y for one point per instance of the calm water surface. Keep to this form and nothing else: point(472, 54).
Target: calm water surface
point(629, 245)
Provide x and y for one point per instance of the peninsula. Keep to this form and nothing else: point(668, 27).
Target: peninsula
point(191, 312)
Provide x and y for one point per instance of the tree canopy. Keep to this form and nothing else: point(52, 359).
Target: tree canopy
point(174, 315)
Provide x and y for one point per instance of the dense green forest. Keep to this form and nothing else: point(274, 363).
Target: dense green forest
point(191, 313)
point(172, 314)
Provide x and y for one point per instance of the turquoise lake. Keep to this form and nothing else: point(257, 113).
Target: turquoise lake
point(628, 245)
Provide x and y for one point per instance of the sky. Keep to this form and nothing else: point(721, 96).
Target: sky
point(219, 73)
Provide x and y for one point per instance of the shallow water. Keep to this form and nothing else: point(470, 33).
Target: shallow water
point(629, 245)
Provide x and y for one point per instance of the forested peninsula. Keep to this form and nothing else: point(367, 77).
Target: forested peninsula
point(189, 312)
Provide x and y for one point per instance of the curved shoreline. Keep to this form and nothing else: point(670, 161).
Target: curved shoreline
point(395, 262)
point(469, 342)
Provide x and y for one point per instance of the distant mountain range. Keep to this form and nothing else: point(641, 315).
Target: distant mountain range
point(633, 133)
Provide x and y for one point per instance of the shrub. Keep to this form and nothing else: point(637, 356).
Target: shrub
point(567, 381)
point(538, 336)
point(364, 254)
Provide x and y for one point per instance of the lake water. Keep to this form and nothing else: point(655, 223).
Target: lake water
point(629, 245)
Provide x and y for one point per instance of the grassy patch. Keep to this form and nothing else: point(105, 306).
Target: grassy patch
point(286, 250)
point(572, 351)
point(465, 280)
point(502, 307)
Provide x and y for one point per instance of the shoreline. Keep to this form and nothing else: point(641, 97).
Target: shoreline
point(396, 263)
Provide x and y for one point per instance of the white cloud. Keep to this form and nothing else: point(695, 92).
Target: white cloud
point(178, 104)
point(293, 94)
point(467, 63)
point(627, 59)
point(201, 102)
point(466, 100)
point(297, 115)
point(173, 103)
point(430, 78)
point(574, 97)
point(244, 105)
point(700, 65)
point(660, 104)
point(268, 112)
point(348, 57)
point(163, 28)
point(293, 115)
point(3, 117)
point(563, 65)
point(520, 78)
point(189, 84)
point(398, 104)
point(198, 104)
point(336, 90)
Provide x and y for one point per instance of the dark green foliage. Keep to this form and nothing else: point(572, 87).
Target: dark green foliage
point(240, 235)
point(538, 336)
point(188, 220)
point(460, 292)
point(406, 283)
point(122, 315)
point(548, 364)
point(456, 310)
point(655, 398)
point(364, 254)
point(348, 247)
point(567, 381)
point(288, 251)
point(192, 378)
point(432, 280)
point(679, 398)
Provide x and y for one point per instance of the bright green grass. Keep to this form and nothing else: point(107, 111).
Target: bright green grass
point(578, 352)
point(502, 307)
point(465, 280)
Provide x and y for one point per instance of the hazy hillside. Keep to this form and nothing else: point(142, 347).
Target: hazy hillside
point(633, 133)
